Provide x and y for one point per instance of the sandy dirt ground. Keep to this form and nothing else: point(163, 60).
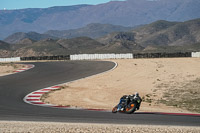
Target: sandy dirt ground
point(9, 68)
point(133, 75)
point(49, 127)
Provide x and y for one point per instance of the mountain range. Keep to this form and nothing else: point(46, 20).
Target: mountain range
point(161, 32)
point(127, 13)
point(159, 36)
point(93, 30)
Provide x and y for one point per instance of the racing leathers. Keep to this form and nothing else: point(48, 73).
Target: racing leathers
point(138, 100)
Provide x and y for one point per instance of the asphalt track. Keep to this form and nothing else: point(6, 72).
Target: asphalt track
point(14, 87)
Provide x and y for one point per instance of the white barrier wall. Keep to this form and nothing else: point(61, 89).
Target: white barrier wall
point(195, 54)
point(100, 56)
point(14, 59)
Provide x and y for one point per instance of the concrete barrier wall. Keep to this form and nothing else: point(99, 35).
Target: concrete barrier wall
point(100, 56)
point(14, 59)
point(195, 54)
point(103, 56)
point(128, 56)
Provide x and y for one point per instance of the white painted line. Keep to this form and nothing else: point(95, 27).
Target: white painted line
point(33, 98)
point(40, 91)
point(34, 94)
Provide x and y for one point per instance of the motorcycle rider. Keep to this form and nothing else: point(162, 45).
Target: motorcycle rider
point(125, 100)
point(138, 99)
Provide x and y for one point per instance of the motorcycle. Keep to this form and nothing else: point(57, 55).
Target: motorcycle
point(130, 108)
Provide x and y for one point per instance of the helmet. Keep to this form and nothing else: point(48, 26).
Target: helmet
point(136, 94)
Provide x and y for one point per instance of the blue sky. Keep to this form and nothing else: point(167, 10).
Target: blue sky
point(19, 4)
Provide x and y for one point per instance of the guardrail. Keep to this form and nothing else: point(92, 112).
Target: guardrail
point(14, 59)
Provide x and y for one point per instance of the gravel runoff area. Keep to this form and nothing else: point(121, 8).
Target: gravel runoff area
point(55, 127)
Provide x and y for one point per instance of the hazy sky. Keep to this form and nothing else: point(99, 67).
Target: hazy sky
point(18, 4)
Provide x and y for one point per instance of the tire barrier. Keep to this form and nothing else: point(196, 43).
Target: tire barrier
point(14, 59)
point(162, 55)
point(60, 57)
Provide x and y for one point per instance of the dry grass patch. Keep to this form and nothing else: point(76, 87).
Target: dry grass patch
point(185, 95)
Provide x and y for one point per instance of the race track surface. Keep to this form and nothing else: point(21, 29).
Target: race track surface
point(13, 88)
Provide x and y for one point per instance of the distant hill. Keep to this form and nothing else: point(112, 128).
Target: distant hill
point(160, 36)
point(120, 42)
point(58, 47)
point(154, 27)
point(127, 13)
point(175, 34)
point(159, 33)
point(22, 43)
point(93, 30)
point(80, 45)
point(41, 48)
point(26, 41)
point(19, 36)
point(4, 49)
point(4, 45)
point(34, 19)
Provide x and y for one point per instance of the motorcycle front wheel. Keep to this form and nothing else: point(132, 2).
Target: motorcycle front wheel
point(114, 110)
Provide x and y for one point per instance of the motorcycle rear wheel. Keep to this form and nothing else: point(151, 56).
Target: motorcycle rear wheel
point(131, 108)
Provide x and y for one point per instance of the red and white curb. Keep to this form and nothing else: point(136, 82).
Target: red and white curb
point(27, 67)
point(34, 98)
